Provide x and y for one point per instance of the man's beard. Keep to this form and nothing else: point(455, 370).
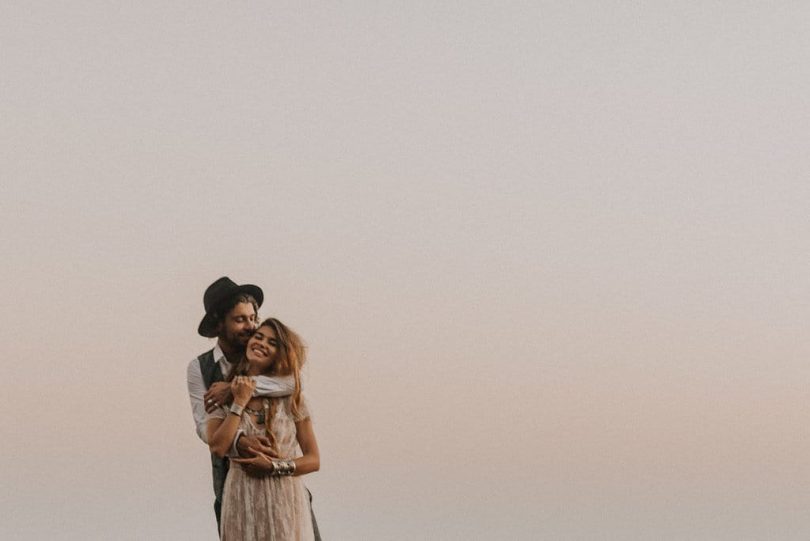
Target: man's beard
point(237, 342)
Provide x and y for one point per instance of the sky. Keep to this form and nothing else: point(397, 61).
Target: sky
point(550, 260)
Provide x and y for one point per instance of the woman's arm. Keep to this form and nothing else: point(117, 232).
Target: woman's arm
point(311, 460)
point(222, 431)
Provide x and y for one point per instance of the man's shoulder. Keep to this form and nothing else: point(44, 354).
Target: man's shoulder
point(207, 356)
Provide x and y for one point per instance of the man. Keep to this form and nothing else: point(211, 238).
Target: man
point(231, 317)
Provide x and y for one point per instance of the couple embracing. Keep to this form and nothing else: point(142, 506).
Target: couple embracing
point(248, 407)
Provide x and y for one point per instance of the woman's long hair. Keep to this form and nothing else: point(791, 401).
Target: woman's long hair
point(287, 361)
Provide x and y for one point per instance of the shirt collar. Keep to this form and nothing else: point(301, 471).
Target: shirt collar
point(219, 356)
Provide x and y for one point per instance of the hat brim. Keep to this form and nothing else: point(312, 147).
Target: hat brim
point(208, 325)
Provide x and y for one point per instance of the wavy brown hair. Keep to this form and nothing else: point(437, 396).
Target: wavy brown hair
point(290, 356)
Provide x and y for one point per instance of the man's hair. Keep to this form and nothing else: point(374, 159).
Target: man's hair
point(229, 304)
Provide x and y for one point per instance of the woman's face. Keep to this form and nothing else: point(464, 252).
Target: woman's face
point(262, 347)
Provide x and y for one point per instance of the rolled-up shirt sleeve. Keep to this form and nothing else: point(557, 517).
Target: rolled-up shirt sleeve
point(196, 391)
point(274, 387)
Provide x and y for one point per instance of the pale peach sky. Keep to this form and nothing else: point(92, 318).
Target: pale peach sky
point(551, 261)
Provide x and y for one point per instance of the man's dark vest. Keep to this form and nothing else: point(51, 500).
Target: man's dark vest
point(211, 373)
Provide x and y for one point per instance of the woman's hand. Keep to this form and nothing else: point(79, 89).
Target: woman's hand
point(242, 389)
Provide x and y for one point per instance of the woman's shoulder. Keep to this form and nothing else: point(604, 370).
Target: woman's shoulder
point(297, 414)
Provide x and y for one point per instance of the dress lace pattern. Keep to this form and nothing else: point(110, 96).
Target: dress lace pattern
point(267, 508)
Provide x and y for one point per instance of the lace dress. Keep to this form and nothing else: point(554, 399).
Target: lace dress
point(267, 508)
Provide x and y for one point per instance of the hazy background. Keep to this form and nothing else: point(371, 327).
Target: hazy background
point(551, 260)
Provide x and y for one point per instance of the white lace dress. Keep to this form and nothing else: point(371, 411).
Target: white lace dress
point(267, 508)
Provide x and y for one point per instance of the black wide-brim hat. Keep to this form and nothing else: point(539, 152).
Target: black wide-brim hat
point(219, 292)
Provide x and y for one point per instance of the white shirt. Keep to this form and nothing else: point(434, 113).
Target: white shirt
point(265, 386)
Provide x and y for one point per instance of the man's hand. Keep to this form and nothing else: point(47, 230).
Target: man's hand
point(218, 394)
point(259, 455)
point(250, 445)
point(259, 465)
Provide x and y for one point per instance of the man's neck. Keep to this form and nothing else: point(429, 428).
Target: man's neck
point(231, 354)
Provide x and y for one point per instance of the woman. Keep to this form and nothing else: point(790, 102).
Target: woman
point(264, 496)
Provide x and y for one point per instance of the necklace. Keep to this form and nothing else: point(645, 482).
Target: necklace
point(260, 414)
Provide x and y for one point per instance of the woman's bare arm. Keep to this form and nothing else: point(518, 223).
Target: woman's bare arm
point(311, 460)
point(222, 431)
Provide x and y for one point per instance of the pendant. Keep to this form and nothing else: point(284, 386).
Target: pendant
point(260, 418)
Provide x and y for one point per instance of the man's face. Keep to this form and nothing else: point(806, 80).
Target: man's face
point(239, 324)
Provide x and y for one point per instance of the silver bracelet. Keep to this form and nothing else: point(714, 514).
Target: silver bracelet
point(283, 467)
point(237, 410)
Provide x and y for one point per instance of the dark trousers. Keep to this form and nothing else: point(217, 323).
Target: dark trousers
point(220, 471)
point(314, 522)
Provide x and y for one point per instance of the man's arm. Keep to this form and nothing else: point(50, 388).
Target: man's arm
point(274, 387)
point(196, 391)
point(261, 464)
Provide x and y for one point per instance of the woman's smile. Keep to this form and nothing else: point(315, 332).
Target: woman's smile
point(262, 345)
point(259, 350)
